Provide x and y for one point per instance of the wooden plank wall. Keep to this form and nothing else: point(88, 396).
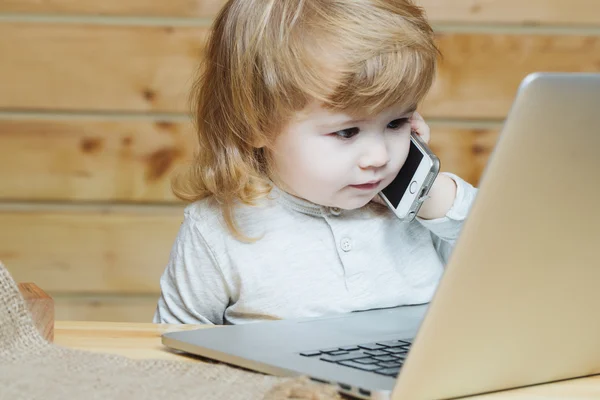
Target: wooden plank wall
point(93, 122)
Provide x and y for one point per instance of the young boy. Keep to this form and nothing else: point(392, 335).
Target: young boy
point(304, 110)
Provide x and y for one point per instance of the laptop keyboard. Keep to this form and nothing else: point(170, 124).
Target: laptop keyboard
point(384, 358)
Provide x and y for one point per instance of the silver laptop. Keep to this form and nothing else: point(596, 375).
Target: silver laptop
point(519, 303)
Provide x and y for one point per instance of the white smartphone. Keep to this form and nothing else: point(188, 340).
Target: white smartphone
point(407, 192)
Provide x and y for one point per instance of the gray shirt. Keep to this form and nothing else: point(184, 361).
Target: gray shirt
point(309, 261)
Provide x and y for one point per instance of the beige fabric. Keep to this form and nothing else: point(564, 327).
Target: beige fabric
point(31, 368)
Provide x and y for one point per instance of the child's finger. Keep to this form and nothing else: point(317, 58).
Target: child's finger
point(417, 124)
point(417, 117)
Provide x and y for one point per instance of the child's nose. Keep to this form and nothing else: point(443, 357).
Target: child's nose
point(376, 155)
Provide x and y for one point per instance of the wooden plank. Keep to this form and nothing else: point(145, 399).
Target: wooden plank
point(480, 73)
point(96, 67)
point(463, 151)
point(171, 8)
point(140, 69)
point(530, 12)
point(133, 340)
point(114, 308)
point(500, 11)
point(132, 160)
point(112, 250)
point(89, 159)
point(41, 308)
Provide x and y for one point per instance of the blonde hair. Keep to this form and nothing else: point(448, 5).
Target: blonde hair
point(266, 59)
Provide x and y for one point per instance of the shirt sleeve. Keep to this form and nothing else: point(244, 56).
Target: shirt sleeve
point(446, 230)
point(193, 287)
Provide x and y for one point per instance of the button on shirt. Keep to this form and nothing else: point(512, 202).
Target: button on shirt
point(307, 260)
point(335, 211)
point(346, 244)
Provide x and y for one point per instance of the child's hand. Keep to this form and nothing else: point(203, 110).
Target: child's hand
point(418, 125)
point(443, 191)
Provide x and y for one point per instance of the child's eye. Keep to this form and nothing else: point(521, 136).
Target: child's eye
point(346, 133)
point(398, 123)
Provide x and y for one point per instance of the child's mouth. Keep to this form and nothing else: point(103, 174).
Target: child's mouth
point(367, 186)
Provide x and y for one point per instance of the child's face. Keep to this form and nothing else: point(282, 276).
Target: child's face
point(327, 158)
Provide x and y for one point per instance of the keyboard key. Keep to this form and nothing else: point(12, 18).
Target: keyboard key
point(349, 348)
point(376, 352)
point(407, 342)
point(310, 353)
point(385, 358)
point(367, 360)
point(342, 357)
point(371, 346)
point(393, 371)
point(390, 364)
point(396, 350)
point(400, 356)
point(337, 353)
point(330, 350)
point(364, 367)
point(392, 343)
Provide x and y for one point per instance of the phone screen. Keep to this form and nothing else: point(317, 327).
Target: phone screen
point(395, 190)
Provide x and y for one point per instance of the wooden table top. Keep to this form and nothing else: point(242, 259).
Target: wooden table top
point(142, 340)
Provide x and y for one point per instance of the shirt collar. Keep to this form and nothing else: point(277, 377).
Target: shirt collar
point(301, 205)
